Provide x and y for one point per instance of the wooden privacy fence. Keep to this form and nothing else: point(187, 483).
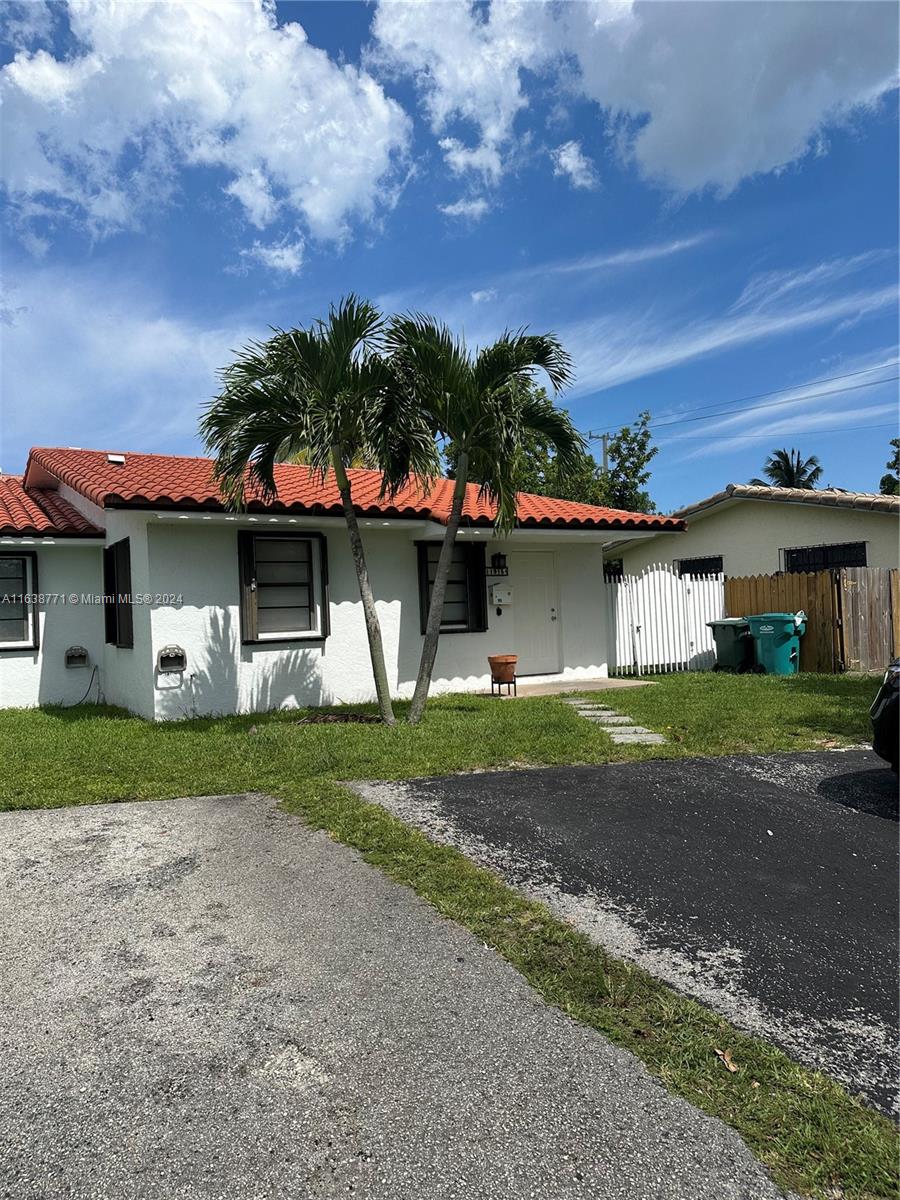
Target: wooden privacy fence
point(869, 617)
point(853, 614)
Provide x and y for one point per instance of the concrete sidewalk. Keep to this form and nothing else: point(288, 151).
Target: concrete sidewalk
point(203, 998)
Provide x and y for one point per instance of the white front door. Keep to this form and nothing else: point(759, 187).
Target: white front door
point(532, 576)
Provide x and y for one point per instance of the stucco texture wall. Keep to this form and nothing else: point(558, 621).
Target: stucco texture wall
point(749, 534)
point(201, 563)
point(32, 677)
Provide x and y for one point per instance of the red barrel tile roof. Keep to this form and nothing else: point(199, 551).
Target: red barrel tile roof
point(37, 512)
point(167, 481)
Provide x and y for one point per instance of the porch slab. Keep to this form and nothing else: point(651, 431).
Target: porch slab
point(568, 687)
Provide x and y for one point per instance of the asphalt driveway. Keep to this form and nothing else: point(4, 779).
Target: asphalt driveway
point(765, 886)
point(203, 998)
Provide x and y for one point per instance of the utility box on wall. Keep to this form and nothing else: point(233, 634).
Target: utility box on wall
point(77, 656)
point(501, 596)
point(171, 660)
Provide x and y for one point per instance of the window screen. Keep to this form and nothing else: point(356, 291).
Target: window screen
point(283, 587)
point(18, 613)
point(697, 567)
point(825, 558)
point(465, 600)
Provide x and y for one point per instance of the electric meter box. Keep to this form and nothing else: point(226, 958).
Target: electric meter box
point(501, 596)
point(170, 660)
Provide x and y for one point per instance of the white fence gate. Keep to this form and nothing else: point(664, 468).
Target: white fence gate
point(657, 621)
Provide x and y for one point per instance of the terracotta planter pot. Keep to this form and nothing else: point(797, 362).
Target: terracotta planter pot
point(503, 667)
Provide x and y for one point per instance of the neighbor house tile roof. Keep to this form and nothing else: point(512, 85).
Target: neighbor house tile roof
point(167, 481)
point(826, 497)
point(37, 512)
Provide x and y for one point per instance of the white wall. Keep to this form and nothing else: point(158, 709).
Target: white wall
point(750, 533)
point(200, 562)
point(31, 677)
point(128, 672)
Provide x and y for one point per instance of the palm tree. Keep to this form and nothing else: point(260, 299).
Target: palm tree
point(478, 403)
point(321, 393)
point(787, 469)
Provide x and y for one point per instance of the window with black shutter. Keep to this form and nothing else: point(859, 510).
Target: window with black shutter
point(799, 559)
point(699, 568)
point(18, 611)
point(117, 608)
point(284, 582)
point(465, 600)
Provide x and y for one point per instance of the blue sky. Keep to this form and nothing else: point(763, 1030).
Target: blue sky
point(701, 200)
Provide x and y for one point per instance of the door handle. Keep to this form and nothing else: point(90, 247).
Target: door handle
point(552, 614)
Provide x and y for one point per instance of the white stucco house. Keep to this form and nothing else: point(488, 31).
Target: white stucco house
point(751, 530)
point(125, 578)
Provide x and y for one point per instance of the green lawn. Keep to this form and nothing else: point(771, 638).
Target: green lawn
point(812, 1135)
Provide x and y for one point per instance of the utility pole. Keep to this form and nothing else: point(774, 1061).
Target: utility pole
point(603, 438)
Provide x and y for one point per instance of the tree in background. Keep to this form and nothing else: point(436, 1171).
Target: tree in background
point(629, 452)
point(788, 469)
point(540, 471)
point(890, 483)
point(581, 478)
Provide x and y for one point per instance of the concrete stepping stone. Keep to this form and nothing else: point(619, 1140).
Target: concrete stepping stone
point(620, 727)
point(630, 738)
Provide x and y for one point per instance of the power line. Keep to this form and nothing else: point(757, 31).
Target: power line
point(730, 412)
point(775, 392)
point(704, 437)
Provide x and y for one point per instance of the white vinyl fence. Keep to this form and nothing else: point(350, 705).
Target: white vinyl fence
point(658, 621)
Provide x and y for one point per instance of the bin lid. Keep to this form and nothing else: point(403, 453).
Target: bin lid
point(728, 621)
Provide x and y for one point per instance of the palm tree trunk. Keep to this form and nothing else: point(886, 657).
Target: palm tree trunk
point(436, 607)
point(373, 626)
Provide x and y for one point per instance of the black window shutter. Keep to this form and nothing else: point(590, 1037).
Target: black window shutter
point(109, 594)
point(124, 614)
point(476, 586)
point(422, 551)
point(248, 586)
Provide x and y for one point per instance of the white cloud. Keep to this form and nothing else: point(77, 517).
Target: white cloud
point(284, 257)
point(467, 67)
point(484, 159)
point(697, 95)
point(615, 348)
point(570, 161)
point(153, 88)
point(716, 93)
point(26, 23)
point(101, 361)
point(484, 295)
point(471, 210)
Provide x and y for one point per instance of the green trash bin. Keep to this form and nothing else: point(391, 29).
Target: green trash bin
point(734, 645)
point(776, 641)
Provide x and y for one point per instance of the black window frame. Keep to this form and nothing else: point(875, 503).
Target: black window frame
point(804, 560)
point(705, 572)
point(30, 584)
point(118, 607)
point(247, 539)
point(473, 554)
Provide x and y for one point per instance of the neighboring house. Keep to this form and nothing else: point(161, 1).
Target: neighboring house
point(242, 612)
point(752, 530)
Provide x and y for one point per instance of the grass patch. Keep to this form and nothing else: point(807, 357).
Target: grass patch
point(811, 1134)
